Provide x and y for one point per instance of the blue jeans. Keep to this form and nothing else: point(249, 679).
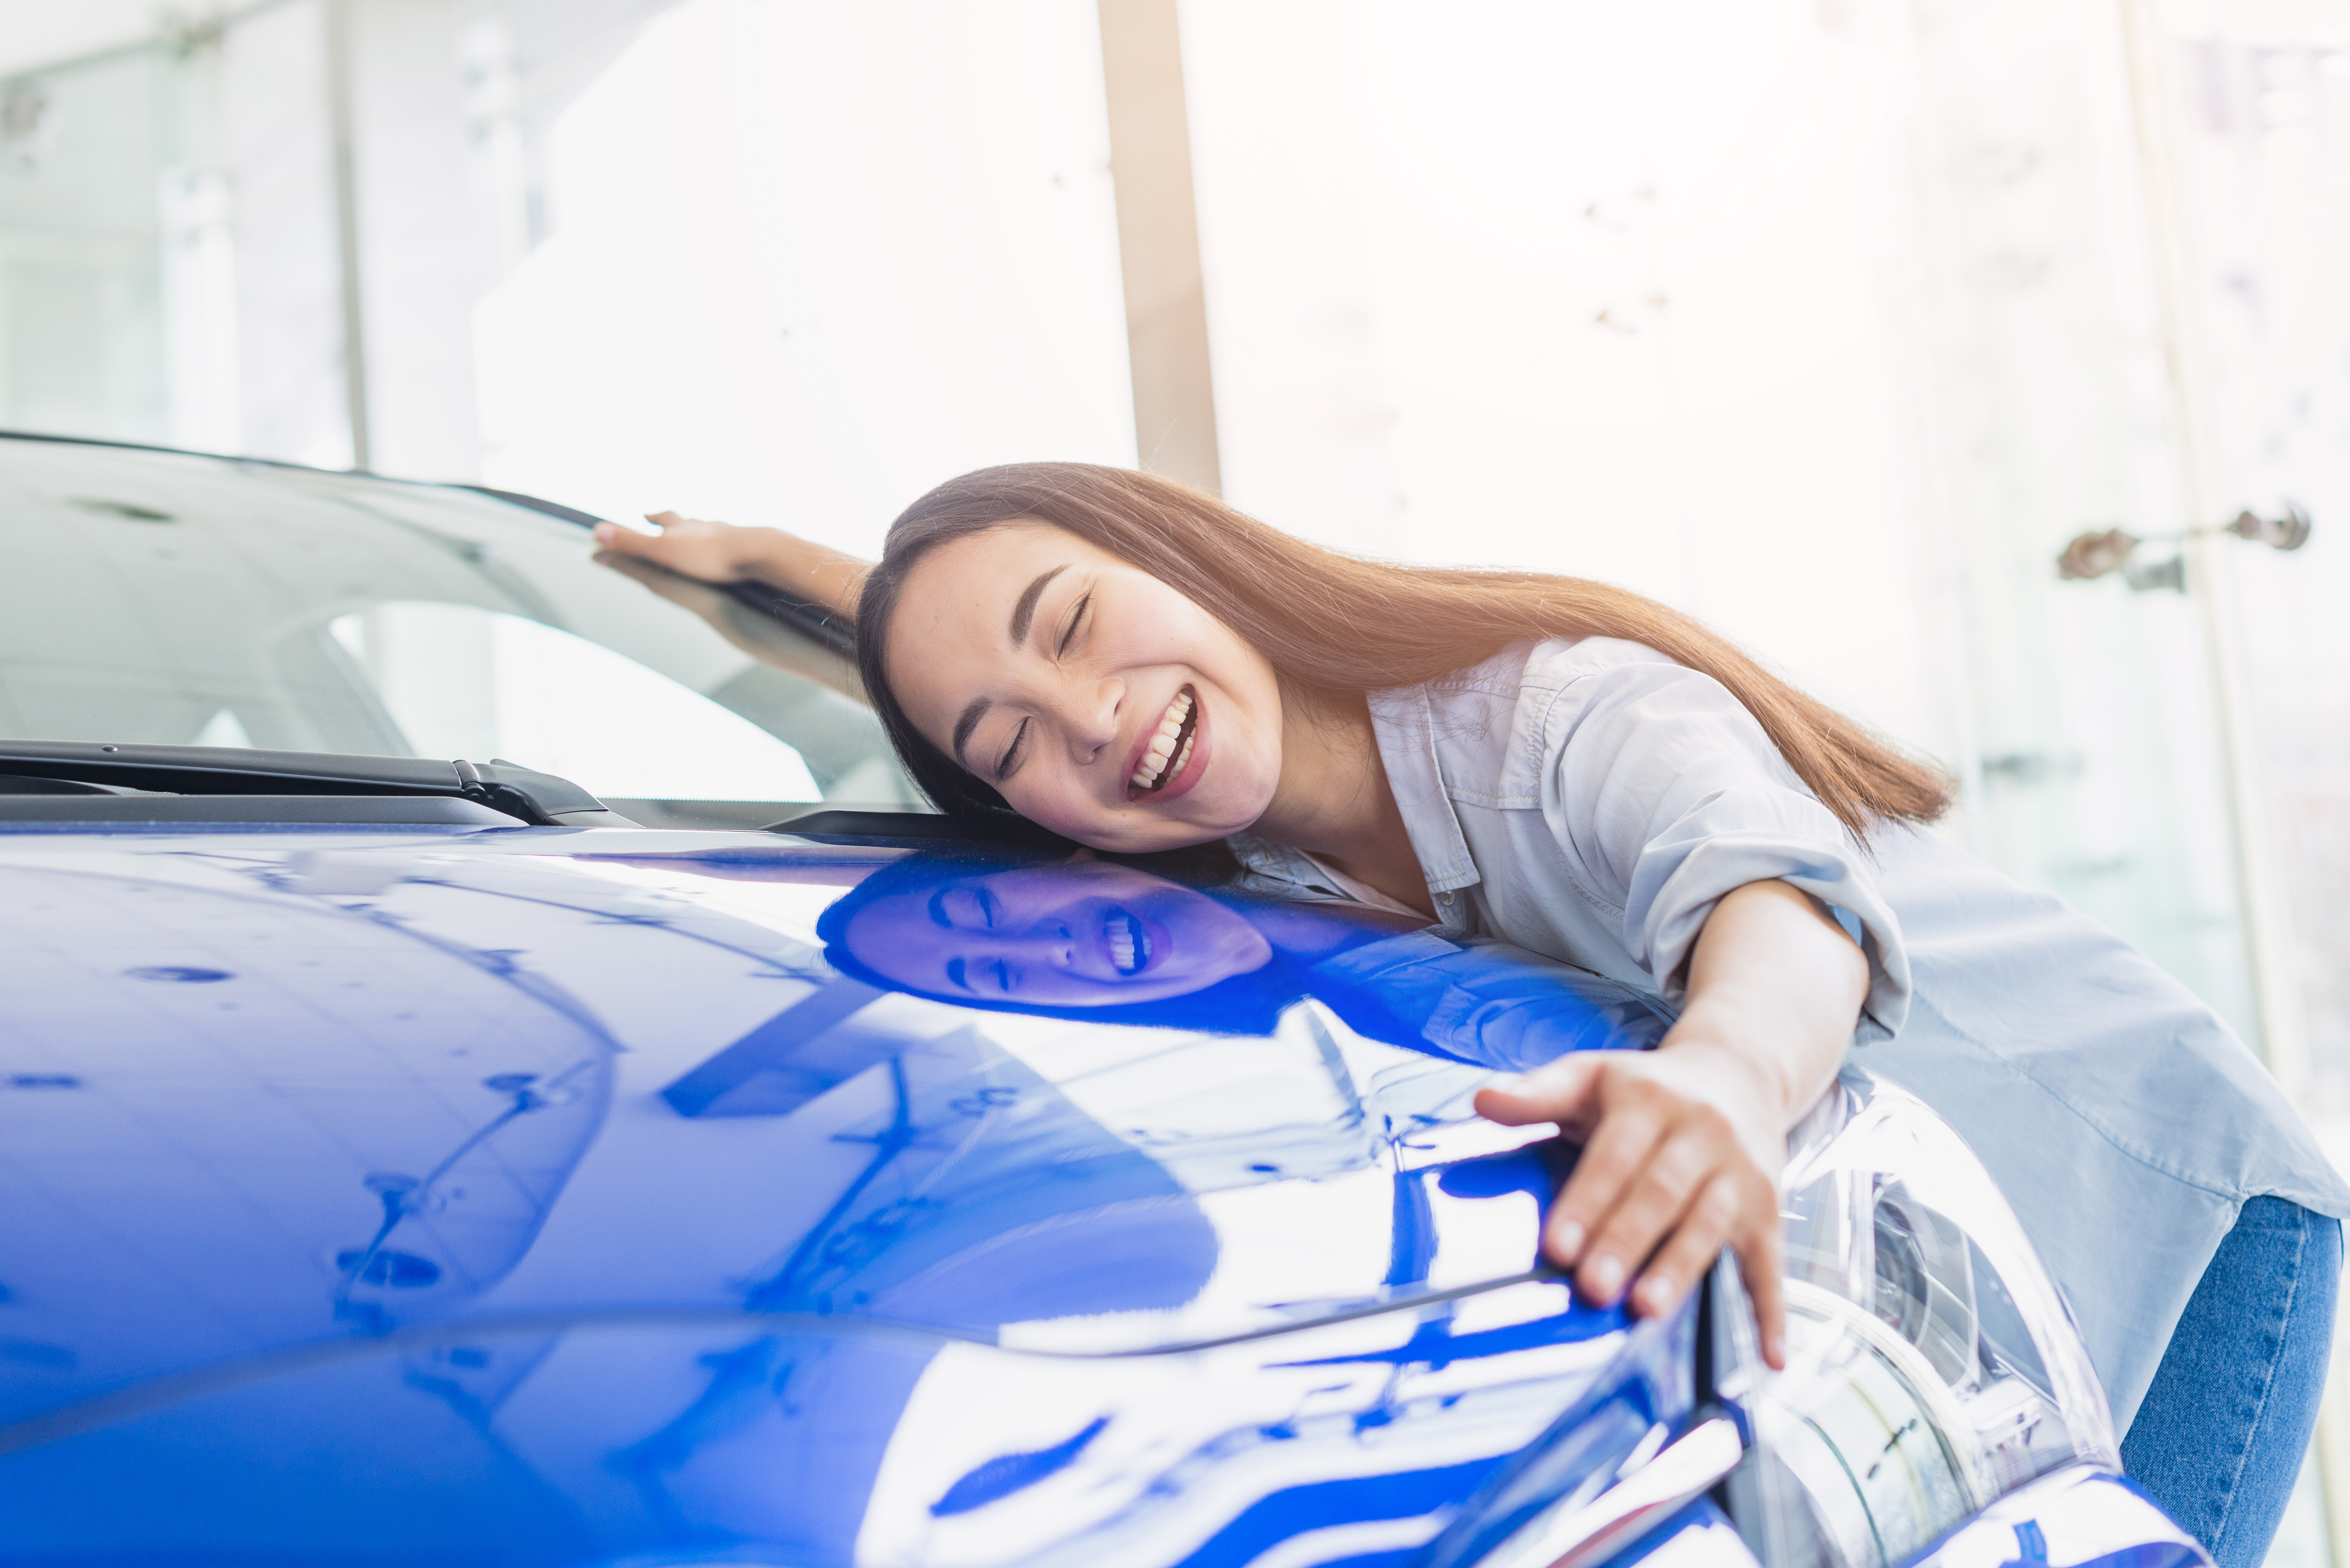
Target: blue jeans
point(2220, 1439)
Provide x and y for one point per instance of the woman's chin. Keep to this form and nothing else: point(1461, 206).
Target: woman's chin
point(1199, 817)
point(1145, 838)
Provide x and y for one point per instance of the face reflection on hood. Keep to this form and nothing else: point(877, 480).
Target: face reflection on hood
point(1079, 934)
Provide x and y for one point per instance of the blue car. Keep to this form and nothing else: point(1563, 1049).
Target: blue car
point(588, 1158)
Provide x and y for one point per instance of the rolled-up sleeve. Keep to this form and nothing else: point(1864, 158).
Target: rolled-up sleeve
point(1663, 793)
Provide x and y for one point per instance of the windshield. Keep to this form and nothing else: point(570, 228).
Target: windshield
point(162, 597)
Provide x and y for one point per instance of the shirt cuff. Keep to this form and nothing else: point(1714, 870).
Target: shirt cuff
point(1723, 863)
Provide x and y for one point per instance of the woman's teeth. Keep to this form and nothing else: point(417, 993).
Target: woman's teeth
point(1171, 748)
point(1130, 947)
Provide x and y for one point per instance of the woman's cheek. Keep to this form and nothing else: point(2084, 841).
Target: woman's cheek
point(1064, 811)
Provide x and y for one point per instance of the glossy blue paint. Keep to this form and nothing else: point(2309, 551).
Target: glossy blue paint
point(518, 1196)
point(1007, 1473)
point(2085, 1518)
point(1651, 1386)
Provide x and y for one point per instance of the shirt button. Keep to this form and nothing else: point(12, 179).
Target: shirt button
point(1445, 899)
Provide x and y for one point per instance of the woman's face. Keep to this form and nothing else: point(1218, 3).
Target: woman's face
point(1097, 700)
point(1080, 934)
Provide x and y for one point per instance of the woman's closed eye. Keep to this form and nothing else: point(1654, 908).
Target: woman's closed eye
point(1012, 753)
point(1070, 632)
point(1010, 761)
point(965, 908)
point(984, 976)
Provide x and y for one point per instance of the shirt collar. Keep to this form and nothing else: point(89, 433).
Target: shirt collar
point(1403, 720)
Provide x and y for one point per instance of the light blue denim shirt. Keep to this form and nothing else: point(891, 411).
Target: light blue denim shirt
point(1590, 800)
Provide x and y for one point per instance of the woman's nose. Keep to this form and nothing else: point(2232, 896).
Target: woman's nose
point(1050, 943)
point(1090, 712)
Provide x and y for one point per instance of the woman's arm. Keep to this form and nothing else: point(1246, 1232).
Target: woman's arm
point(723, 553)
point(1683, 1145)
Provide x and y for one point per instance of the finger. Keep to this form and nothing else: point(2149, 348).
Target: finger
point(1557, 1091)
point(625, 541)
point(1618, 1150)
point(1696, 1242)
point(1651, 1207)
point(1762, 1257)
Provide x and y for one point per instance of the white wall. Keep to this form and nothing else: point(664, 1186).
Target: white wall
point(806, 261)
point(1606, 290)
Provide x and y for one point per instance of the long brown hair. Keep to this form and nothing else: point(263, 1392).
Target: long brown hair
point(1366, 624)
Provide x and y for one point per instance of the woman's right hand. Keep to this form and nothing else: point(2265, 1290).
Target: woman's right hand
point(714, 552)
point(723, 553)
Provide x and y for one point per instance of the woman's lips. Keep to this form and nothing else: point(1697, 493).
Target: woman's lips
point(1130, 943)
point(1182, 783)
point(1186, 752)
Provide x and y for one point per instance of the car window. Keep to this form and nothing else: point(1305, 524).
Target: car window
point(462, 682)
point(169, 598)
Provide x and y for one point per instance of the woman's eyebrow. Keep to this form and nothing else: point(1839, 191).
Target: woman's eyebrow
point(1025, 610)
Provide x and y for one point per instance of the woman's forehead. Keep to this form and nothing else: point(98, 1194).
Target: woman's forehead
point(1016, 537)
point(956, 612)
point(972, 576)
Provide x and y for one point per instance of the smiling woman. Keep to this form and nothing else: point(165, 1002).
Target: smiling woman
point(1580, 771)
point(1067, 543)
point(1087, 934)
point(1086, 694)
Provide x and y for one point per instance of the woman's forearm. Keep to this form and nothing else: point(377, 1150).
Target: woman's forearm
point(807, 570)
point(1774, 987)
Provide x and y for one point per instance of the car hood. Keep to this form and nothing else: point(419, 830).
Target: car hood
point(547, 1196)
point(269, 1091)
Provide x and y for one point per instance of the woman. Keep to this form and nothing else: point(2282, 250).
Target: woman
point(1587, 774)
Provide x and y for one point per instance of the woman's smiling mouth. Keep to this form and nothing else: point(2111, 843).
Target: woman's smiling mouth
point(1170, 746)
point(1127, 941)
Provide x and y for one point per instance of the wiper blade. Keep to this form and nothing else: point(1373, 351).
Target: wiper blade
point(524, 794)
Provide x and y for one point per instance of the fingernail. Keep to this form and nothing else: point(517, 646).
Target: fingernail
point(1607, 1278)
point(604, 533)
point(1568, 1240)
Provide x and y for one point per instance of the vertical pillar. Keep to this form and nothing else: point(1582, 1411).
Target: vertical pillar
point(1158, 242)
point(340, 119)
point(196, 219)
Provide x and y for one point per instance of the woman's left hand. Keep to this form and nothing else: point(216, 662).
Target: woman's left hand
point(1681, 1152)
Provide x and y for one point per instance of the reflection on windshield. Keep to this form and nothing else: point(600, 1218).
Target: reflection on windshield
point(465, 682)
point(173, 599)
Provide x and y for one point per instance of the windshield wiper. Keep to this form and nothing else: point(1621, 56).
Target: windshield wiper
point(540, 799)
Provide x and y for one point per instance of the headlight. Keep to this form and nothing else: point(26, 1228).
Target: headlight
point(1932, 1365)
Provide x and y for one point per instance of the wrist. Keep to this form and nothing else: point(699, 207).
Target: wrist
point(801, 568)
point(1739, 1057)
